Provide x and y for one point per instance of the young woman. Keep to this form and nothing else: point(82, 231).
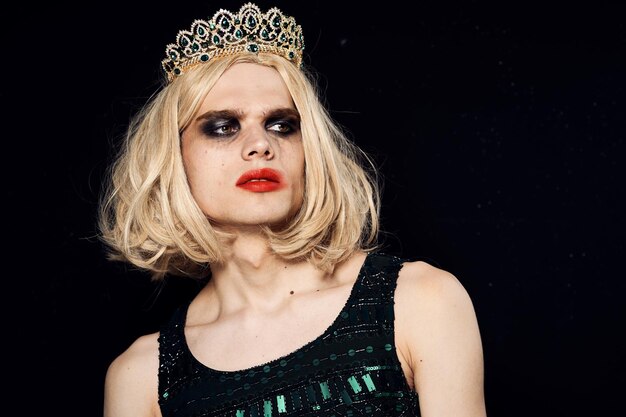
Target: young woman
point(234, 172)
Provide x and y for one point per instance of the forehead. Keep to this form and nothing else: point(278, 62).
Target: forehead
point(248, 85)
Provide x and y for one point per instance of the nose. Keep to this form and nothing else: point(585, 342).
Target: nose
point(257, 145)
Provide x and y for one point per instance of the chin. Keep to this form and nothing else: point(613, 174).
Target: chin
point(274, 223)
point(276, 217)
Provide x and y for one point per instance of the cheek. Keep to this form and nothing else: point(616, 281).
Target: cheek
point(296, 158)
point(297, 170)
point(204, 170)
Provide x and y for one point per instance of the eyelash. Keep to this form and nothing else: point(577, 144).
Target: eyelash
point(213, 128)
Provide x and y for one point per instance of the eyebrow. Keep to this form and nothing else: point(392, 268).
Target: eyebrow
point(281, 112)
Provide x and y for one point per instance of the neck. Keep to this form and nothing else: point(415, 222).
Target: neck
point(252, 277)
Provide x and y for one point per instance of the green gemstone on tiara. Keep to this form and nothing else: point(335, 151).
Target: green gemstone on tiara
point(216, 39)
point(204, 58)
point(238, 34)
point(253, 47)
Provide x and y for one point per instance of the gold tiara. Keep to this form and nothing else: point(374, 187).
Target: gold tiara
point(227, 33)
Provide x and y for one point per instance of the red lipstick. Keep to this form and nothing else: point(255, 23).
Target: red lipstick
point(260, 180)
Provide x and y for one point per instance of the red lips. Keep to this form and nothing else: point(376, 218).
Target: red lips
point(260, 180)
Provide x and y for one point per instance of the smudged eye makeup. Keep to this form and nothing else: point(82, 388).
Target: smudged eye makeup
point(225, 123)
point(283, 126)
point(219, 127)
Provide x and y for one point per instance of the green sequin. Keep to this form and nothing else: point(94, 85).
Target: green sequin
point(310, 394)
point(368, 382)
point(280, 401)
point(356, 387)
point(325, 390)
point(346, 397)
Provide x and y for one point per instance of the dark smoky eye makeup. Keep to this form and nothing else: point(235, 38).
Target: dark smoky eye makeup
point(284, 125)
point(219, 126)
point(226, 123)
point(283, 121)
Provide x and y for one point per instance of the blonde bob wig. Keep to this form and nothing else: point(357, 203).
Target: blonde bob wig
point(148, 217)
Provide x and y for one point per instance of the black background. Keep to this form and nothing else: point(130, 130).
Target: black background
point(498, 128)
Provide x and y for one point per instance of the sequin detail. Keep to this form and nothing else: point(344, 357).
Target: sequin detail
point(352, 369)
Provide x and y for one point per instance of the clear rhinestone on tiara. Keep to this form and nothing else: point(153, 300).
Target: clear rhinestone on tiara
point(227, 33)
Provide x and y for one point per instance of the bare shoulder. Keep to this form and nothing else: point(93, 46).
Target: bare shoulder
point(132, 380)
point(438, 336)
point(429, 299)
point(421, 281)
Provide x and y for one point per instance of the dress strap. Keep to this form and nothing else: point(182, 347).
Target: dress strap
point(174, 362)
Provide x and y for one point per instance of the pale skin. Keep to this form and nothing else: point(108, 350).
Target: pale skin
point(254, 300)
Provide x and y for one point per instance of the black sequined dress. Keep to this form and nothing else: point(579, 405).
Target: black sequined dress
point(351, 370)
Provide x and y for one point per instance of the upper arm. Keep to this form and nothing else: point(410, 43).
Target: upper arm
point(442, 341)
point(131, 382)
